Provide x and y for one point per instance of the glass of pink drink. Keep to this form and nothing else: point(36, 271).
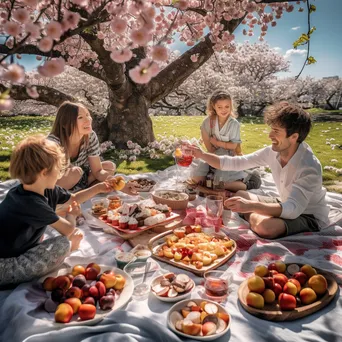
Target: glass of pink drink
point(216, 286)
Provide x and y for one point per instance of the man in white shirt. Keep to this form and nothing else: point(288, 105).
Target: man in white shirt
point(297, 173)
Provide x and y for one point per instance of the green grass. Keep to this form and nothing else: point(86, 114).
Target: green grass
point(253, 134)
point(324, 111)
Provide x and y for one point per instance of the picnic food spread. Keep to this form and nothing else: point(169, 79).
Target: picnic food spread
point(142, 184)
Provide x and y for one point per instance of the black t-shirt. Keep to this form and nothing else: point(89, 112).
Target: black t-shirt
point(24, 216)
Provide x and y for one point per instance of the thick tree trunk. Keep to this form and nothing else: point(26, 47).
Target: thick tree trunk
point(128, 120)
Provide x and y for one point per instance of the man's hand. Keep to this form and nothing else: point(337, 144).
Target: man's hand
point(196, 151)
point(239, 205)
point(74, 209)
point(214, 141)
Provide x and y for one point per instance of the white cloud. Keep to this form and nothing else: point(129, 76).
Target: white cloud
point(293, 52)
point(277, 48)
point(295, 28)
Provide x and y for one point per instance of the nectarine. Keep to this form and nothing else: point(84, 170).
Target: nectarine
point(256, 284)
point(86, 312)
point(307, 295)
point(318, 283)
point(308, 270)
point(255, 300)
point(63, 313)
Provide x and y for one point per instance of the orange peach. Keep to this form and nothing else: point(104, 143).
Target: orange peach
point(63, 313)
point(223, 316)
point(308, 270)
point(86, 312)
point(287, 301)
point(301, 277)
point(290, 288)
point(75, 303)
point(255, 300)
point(74, 292)
point(108, 280)
point(190, 328)
point(208, 328)
point(91, 273)
point(120, 282)
point(318, 283)
point(280, 266)
point(94, 265)
point(101, 287)
point(49, 284)
point(307, 295)
point(89, 300)
point(297, 283)
point(256, 284)
point(277, 289)
point(261, 271)
point(280, 279)
point(78, 269)
point(94, 292)
point(62, 282)
point(269, 296)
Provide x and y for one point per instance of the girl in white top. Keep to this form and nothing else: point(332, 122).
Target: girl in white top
point(220, 133)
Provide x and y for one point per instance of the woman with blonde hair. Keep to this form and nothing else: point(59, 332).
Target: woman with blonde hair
point(220, 133)
point(72, 130)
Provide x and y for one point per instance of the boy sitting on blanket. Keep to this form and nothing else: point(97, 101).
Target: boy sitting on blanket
point(29, 207)
point(297, 173)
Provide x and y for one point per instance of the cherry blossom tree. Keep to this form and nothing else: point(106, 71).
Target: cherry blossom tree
point(249, 74)
point(124, 44)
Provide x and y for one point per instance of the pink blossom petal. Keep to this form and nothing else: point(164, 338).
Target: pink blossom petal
point(21, 15)
point(14, 73)
point(159, 53)
point(52, 67)
point(118, 25)
point(54, 30)
point(45, 44)
point(32, 92)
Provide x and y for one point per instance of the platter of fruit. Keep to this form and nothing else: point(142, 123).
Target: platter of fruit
point(84, 294)
point(191, 249)
point(170, 287)
point(198, 319)
point(285, 292)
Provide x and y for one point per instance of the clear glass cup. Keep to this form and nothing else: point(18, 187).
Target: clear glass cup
point(216, 285)
point(214, 207)
point(99, 206)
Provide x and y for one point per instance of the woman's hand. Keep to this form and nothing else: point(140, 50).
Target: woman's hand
point(104, 187)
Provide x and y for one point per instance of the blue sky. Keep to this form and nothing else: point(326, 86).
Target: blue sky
point(326, 44)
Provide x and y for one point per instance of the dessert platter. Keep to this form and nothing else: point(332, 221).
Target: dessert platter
point(189, 248)
point(84, 294)
point(129, 220)
point(143, 184)
point(285, 292)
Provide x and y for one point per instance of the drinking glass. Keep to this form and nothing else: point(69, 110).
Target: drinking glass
point(184, 160)
point(214, 206)
point(216, 285)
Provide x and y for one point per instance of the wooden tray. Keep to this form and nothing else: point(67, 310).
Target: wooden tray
point(272, 312)
point(158, 241)
point(127, 234)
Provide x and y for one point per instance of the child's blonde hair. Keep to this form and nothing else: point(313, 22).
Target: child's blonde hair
point(34, 154)
point(217, 96)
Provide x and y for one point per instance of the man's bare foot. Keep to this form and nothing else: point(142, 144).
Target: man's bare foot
point(75, 239)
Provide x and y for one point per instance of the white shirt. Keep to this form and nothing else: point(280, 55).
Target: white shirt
point(299, 182)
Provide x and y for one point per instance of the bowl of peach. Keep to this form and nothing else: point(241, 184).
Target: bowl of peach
point(170, 287)
point(198, 319)
point(285, 292)
point(84, 294)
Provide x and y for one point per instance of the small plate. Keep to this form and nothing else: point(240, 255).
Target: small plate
point(178, 307)
point(181, 296)
point(123, 299)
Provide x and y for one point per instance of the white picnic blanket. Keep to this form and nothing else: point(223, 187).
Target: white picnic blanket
point(21, 318)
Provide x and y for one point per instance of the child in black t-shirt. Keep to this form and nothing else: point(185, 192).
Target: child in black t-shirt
point(29, 207)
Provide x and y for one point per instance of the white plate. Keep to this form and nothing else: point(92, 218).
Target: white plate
point(124, 298)
point(179, 306)
point(156, 281)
